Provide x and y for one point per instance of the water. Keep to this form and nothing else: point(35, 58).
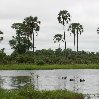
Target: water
point(54, 79)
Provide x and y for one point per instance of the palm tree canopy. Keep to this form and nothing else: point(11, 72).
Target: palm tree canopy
point(58, 37)
point(63, 17)
point(32, 23)
point(27, 27)
point(75, 26)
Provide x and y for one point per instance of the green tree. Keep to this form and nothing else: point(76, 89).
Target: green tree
point(32, 25)
point(64, 18)
point(76, 29)
point(20, 44)
point(21, 30)
point(1, 38)
point(2, 56)
point(58, 38)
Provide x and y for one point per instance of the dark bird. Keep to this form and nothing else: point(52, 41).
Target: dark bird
point(82, 80)
point(64, 77)
point(72, 79)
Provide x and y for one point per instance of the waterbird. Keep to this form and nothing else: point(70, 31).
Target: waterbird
point(72, 79)
point(82, 80)
point(64, 77)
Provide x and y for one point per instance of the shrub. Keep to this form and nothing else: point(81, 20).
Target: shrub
point(40, 62)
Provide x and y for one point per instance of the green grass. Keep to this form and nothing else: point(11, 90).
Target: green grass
point(29, 93)
point(47, 67)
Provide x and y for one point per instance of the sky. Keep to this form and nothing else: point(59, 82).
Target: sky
point(84, 12)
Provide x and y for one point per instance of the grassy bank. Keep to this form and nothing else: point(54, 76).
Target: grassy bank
point(29, 93)
point(44, 67)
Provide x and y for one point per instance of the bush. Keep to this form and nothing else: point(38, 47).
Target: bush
point(40, 62)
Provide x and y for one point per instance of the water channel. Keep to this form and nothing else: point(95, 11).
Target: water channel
point(84, 81)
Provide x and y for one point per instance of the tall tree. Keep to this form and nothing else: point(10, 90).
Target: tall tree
point(20, 43)
point(76, 29)
point(22, 46)
point(32, 24)
point(1, 38)
point(58, 38)
point(21, 31)
point(73, 30)
point(64, 18)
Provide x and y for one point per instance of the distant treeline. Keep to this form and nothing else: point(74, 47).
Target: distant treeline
point(59, 56)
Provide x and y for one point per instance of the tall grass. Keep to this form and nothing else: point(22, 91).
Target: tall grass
point(29, 93)
point(44, 67)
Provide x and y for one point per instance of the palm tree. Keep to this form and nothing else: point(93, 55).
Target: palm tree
point(1, 38)
point(58, 38)
point(72, 29)
point(64, 18)
point(76, 29)
point(32, 24)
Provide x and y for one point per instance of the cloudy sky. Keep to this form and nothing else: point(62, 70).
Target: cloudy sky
point(83, 11)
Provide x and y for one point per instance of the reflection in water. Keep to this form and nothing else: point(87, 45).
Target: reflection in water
point(81, 81)
point(14, 81)
point(1, 82)
point(20, 81)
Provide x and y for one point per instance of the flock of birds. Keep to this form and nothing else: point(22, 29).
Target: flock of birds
point(73, 79)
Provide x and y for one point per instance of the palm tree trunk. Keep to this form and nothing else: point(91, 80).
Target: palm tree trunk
point(77, 40)
point(65, 45)
point(18, 39)
point(74, 41)
point(33, 42)
point(65, 40)
point(59, 46)
point(64, 34)
point(28, 43)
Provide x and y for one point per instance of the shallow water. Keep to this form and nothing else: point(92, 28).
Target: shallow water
point(54, 79)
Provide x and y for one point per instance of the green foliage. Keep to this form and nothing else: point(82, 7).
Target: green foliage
point(2, 56)
point(58, 38)
point(64, 18)
point(40, 62)
point(47, 67)
point(32, 25)
point(22, 41)
point(76, 29)
point(59, 56)
point(29, 93)
point(26, 58)
point(21, 47)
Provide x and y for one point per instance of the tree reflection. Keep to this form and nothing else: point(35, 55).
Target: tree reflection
point(20, 81)
point(1, 81)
